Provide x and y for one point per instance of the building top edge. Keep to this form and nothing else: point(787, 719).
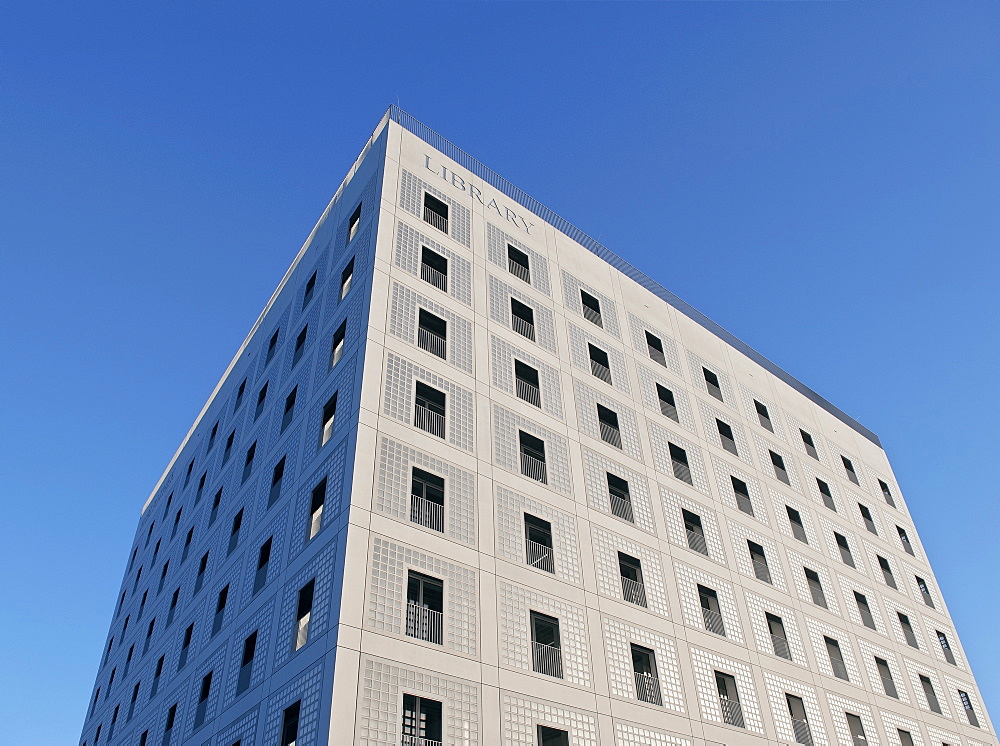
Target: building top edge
point(432, 138)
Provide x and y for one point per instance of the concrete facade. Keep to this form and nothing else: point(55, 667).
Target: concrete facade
point(473, 480)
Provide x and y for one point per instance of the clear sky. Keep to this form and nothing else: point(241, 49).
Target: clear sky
point(823, 179)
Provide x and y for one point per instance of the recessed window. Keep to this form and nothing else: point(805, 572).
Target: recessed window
point(668, 405)
point(970, 712)
point(591, 308)
point(199, 578)
point(522, 319)
point(620, 498)
point(885, 674)
point(427, 499)
point(424, 607)
point(633, 587)
point(815, 587)
point(695, 531)
point(949, 655)
point(240, 391)
point(220, 609)
point(711, 614)
point(810, 445)
point(856, 728)
point(712, 383)
point(202, 707)
point(246, 663)
point(866, 516)
point(436, 212)
point(647, 681)
point(434, 268)
point(759, 561)
point(845, 549)
point(346, 279)
point(187, 478)
point(532, 452)
point(886, 493)
point(729, 699)
point(930, 694)
point(742, 494)
point(849, 470)
point(272, 346)
point(263, 562)
point(800, 722)
point(289, 411)
point(795, 521)
point(211, 437)
point(303, 614)
point(429, 409)
point(186, 639)
point(778, 464)
point(654, 346)
point(229, 447)
point(864, 610)
point(608, 422)
point(546, 645)
point(925, 592)
point(310, 290)
point(277, 477)
point(726, 436)
point(679, 463)
point(517, 264)
point(907, 627)
point(552, 736)
point(600, 366)
point(538, 543)
point(353, 222)
point(248, 461)
point(432, 334)
point(779, 639)
point(826, 494)
point(526, 383)
point(836, 658)
point(886, 568)
point(316, 503)
point(290, 724)
point(261, 400)
point(216, 502)
point(905, 541)
point(337, 349)
point(422, 721)
point(328, 420)
point(763, 416)
point(300, 344)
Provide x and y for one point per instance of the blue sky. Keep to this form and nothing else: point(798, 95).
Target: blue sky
point(823, 179)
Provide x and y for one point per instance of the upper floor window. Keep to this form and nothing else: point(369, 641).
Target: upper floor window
point(620, 498)
point(517, 264)
point(538, 543)
point(591, 308)
point(608, 422)
point(522, 319)
point(763, 416)
point(353, 222)
point(432, 334)
point(436, 212)
point(654, 346)
point(532, 451)
point(849, 469)
point(429, 409)
point(600, 365)
point(679, 463)
point(310, 290)
point(668, 405)
point(424, 607)
point(427, 499)
point(300, 344)
point(810, 445)
point(886, 493)
point(546, 645)
point(272, 347)
point(434, 268)
point(337, 348)
point(726, 436)
point(346, 278)
point(526, 383)
point(712, 383)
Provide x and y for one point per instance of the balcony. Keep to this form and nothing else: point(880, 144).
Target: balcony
point(621, 507)
point(540, 556)
point(438, 221)
point(534, 468)
point(611, 435)
point(713, 621)
point(433, 343)
point(547, 659)
point(696, 542)
point(430, 421)
point(419, 741)
point(802, 733)
point(522, 327)
point(528, 392)
point(762, 571)
point(780, 645)
point(634, 592)
point(426, 513)
point(601, 371)
point(732, 713)
point(434, 277)
point(647, 688)
point(424, 623)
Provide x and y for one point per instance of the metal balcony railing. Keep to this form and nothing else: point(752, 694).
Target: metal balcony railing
point(423, 623)
point(681, 471)
point(713, 621)
point(529, 392)
point(800, 728)
point(601, 371)
point(889, 686)
point(540, 556)
point(430, 421)
point(594, 317)
point(780, 645)
point(534, 468)
point(433, 343)
point(633, 592)
point(547, 659)
point(426, 513)
point(438, 221)
point(434, 277)
point(522, 327)
point(696, 542)
point(732, 713)
point(762, 571)
point(839, 668)
point(647, 688)
point(419, 741)
point(519, 270)
point(611, 435)
point(621, 507)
